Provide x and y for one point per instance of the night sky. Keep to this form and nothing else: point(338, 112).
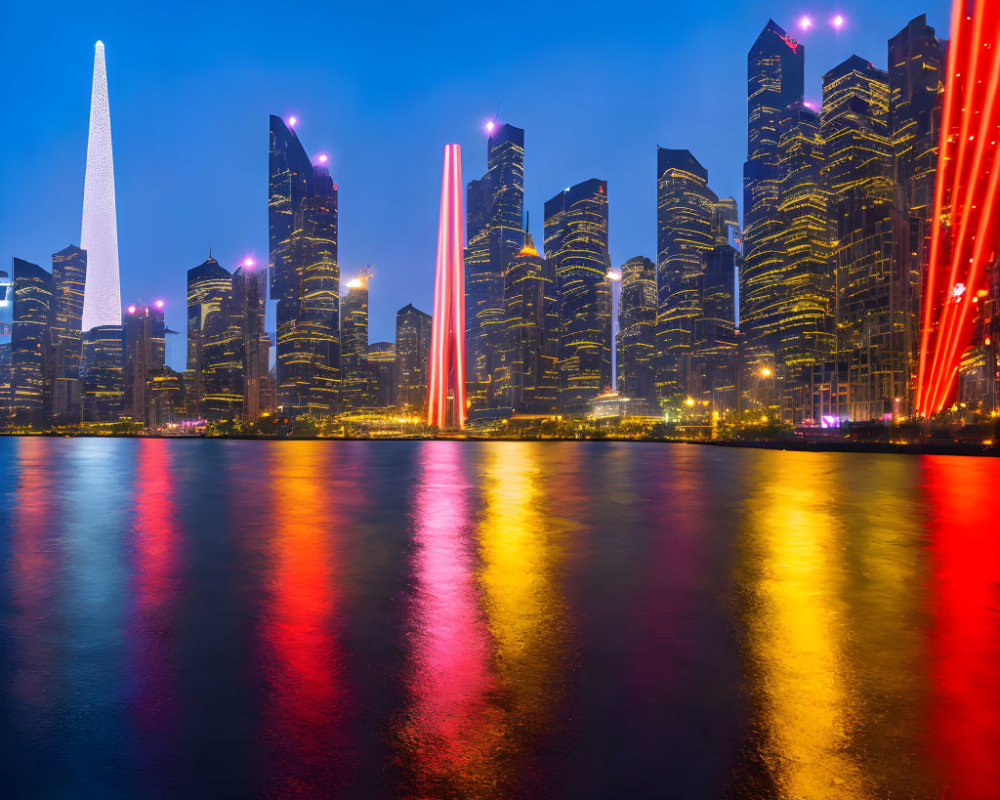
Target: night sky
point(597, 86)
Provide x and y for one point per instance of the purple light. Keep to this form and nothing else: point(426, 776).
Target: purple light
point(323, 159)
point(291, 122)
point(838, 21)
point(809, 104)
point(159, 304)
point(248, 262)
point(490, 126)
point(131, 309)
point(805, 23)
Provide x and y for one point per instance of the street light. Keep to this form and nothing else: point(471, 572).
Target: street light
point(766, 372)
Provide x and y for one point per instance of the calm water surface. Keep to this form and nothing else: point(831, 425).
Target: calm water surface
point(495, 620)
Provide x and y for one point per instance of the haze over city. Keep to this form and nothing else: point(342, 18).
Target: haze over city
point(189, 106)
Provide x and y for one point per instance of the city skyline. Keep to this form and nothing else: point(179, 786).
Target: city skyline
point(229, 221)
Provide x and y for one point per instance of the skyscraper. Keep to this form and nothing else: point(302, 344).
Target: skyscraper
point(495, 230)
point(358, 380)
point(303, 224)
point(31, 345)
point(576, 240)
point(637, 330)
point(69, 274)
point(413, 356)
point(775, 80)
point(246, 315)
point(685, 233)
point(382, 359)
point(214, 364)
point(102, 373)
point(99, 236)
point(530, 377)
point(446, 379)
point(6, 310)
point(145, 346)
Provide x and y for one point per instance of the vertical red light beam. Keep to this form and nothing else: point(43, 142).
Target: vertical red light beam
point(447, 369)
point(930, 285)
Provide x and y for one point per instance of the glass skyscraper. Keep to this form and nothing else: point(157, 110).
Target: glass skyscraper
point(69, 274)
point(576, 242)
point(413, 357)
point(637, 330)
point(31, 346)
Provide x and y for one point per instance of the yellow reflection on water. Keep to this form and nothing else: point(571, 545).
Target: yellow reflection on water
point(796, 633)
point(521, 551)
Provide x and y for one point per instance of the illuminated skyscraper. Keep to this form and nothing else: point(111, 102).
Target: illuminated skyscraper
point(713, 349)
point(775, 67)
point(576, 241)
point(31, 344)
point(685, 233)
point(214, 356)
point(69, 274)
point(446, 406)
point(530, 376)
point(495, 229)
point(413, 357)
point(145, 347)
point(246, 315)
point(358, 379)
point(102, 373)
point(637, 330)
point(99, 236)
point(382, 359)
point(305, 277)
point(965, 231)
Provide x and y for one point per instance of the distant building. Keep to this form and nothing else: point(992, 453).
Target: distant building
point(102, 373)
point(246, 315)
point(637, 326)
point(530, 376)
point(413, 355)
point(358, 377)
point(69, 274)
point(214, 360)
point(382, 361)
point(31, 344)
point(145, 348)
point(576, 242)
point(495, 230)
point(6, 310)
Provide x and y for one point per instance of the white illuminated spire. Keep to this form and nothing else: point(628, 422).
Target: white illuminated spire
point(102, 293)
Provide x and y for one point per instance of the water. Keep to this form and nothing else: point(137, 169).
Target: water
point(495, 620)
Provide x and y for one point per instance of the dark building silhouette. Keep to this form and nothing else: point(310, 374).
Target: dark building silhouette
point(495, 230)
point(214, 367)
point(637, 330)
point(382, 361)
point(246, 315)
point(69, 275)
point(305, 276)
point(6, 310)
point(775, 79)
point(714, 361)
point(576, 242)
point(413, 356)
point(31, 344)
point(530, 375)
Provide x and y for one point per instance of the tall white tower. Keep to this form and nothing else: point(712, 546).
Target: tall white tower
point(102, 304)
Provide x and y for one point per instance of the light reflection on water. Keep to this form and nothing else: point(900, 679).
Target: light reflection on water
point(459, 620)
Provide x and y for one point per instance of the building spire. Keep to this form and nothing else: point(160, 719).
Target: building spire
point(99, 235)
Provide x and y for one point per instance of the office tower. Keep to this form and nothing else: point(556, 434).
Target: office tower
point(685, 233)
point(102, 374)
point(99, 235)
point(713, 350)
point(530, 376)
point(495, 230)
point(382, 359)
point(965, 231)
point(6, 311)
point(165, 398)
point(802, 321)
point(31, 343)
point(446, 380)
point(413, 354)
point(145, 347)
point(305, 276)
point(358, 383)
point(69, 275)
point(637, 330)
point(775, 66)
point(576, 240)
point(209, 298)
point(246, 315)
point(874, 269)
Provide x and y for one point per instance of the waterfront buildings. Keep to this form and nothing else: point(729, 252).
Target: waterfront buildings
point(358, 378)
point(495, 231)
point(69, 275)
point(305, 275)
point(530, 376)
point(637, 326)
point(413, 354)
point(31, 343)
point(576, 242)
point(145, 352)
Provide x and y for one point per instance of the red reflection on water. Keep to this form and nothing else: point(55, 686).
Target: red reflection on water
point(447, 729)
point(32, 569)
point(156, 531)
point(305, 717)
point(965, 545)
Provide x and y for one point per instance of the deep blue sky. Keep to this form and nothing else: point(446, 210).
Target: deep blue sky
point(381, 88)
